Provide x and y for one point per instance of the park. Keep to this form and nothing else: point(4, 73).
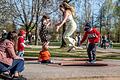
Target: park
point(59, 40)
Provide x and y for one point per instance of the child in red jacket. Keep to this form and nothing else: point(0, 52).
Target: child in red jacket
point(93, 37)
point(44, 55)
point(21, 43)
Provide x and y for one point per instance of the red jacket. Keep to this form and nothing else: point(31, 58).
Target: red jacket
point(20, 41)
point(93, 36)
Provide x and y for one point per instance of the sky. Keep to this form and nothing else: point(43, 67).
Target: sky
point(95, 6)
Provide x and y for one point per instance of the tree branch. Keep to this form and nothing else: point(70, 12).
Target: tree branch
point(32, 14)
point(24, 13)
point(19, 13)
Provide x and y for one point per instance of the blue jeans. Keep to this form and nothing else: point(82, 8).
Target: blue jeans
point(17, 65)
point(91, 51)
point(20, 53)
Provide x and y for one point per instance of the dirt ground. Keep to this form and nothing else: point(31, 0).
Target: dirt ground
point(36, 71)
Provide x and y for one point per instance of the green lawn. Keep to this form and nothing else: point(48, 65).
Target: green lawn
point(52, 43)
point(57, 52)
point(116, 45)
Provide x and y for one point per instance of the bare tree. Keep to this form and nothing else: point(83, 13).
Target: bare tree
point(5, 18)
point(87, 10)
point(27, 13)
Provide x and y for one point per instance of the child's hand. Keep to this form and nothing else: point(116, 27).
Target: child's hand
point(28, 46)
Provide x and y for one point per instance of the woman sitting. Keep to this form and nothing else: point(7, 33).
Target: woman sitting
point(10, 64)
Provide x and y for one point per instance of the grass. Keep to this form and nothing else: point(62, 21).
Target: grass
point(32, 49)
point(57, 52)
point(116, 45)
point(117, 57)
point(52, 43)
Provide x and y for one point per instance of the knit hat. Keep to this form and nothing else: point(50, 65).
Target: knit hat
point(22, 32)
point(87, 27)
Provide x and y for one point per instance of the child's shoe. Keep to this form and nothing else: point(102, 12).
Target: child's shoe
point(88, 62)
point(93, 61)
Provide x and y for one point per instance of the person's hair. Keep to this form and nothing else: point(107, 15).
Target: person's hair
point(12, 35)
point(44, 47)
point(45, 17)
point(66, 6)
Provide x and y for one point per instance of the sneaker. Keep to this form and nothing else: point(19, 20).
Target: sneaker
point(80, 47)
point(73, 49)
point(93, 61)
point(88, 62)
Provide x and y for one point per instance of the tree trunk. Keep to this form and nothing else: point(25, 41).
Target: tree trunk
point(26, 31)
point(36, 34)
point(36, 23)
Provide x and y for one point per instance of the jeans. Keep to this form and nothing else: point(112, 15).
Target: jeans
point(17, 66)
point(91, 51)
point(3, 67)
